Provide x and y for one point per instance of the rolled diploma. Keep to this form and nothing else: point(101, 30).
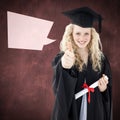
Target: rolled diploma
point(85, 90)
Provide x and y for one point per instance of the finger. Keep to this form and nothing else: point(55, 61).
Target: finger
point(68, 58)
point(69, 53)
point(105, 78)
point(68, 63)
point(102, 82)
point(99, 83)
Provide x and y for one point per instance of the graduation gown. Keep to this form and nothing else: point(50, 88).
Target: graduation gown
point(67, 82)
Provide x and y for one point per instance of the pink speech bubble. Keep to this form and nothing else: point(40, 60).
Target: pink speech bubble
point(25, 32)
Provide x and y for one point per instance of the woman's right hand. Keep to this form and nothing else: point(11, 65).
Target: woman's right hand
point(68, 59)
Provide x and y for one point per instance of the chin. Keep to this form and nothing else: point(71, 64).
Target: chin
point(82, 46)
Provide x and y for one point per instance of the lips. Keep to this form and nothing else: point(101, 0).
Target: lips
point(81, 42)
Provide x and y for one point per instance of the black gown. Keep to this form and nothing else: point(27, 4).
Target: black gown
point(67, 82)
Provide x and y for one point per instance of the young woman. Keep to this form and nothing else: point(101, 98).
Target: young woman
point(81, 63)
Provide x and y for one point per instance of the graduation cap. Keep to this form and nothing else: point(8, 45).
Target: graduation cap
point(84, 17)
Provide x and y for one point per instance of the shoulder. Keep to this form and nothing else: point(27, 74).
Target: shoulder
point(106, 64)
point(57, 58)
point(105, 59)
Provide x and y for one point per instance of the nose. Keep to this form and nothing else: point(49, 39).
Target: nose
point(81, 38)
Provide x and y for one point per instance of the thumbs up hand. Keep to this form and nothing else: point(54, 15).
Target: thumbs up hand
point(68, 59)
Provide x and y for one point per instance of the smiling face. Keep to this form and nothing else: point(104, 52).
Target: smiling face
point(81, 36)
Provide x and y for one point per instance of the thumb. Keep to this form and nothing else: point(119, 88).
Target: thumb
point(69, 46)
point(105, 76)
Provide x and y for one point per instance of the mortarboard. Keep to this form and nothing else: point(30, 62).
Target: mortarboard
point(84, 17)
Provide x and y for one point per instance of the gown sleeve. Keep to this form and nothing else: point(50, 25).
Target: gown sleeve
point(64, 81)
point(107, 94)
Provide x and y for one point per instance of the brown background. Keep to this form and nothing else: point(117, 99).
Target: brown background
point(26, 75)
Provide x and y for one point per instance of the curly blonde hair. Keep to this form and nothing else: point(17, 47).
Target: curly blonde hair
point(94, 48)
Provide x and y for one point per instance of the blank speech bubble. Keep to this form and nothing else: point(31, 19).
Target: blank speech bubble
point(25, 32)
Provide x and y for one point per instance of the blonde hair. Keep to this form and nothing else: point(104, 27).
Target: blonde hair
point(94, 48)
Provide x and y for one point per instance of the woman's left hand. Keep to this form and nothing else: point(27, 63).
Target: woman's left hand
point(102, 84)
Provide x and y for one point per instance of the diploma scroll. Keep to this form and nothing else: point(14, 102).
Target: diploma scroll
point(84, 91)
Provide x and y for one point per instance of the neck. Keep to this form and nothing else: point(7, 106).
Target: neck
point(83, 51)
point(83, 54)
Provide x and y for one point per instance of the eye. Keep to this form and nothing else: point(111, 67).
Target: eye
point(87, 34)
point(78, 33)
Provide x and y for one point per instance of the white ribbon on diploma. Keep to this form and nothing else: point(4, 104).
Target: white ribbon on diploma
point(85, 90)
